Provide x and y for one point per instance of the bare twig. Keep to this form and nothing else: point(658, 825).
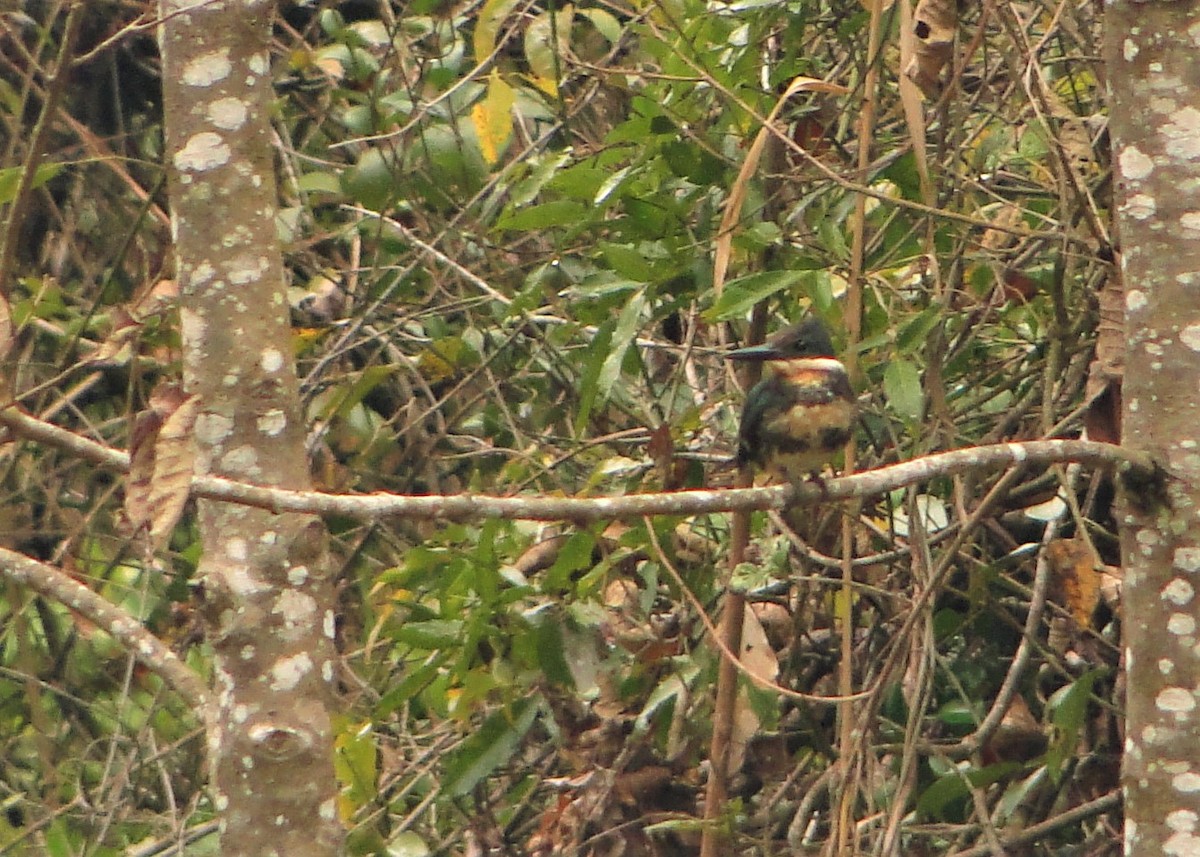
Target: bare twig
point(585, 509)
point(55, 584)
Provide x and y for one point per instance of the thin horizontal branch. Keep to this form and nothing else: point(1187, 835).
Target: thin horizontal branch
point(1104, 803)
point(61, 587)
point(464, 507)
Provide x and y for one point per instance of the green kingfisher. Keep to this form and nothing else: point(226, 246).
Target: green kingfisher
point(802, 413)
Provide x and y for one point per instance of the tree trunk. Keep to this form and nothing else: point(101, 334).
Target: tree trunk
point(268, 596)
point(1153, 53)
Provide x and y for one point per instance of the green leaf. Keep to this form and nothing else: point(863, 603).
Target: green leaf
point(914, 334)
point(430, 634)
point(546, 38)
point(957, 713)
point(407, 844)
point(559, 212)
point(605, 22)
point(610, 185)
point(589, 378)
point(1068, 709)
point(529, 187)
point(487, 748)
point(550, 648)
point(628, 324)
point(944, 799)
point(346, 399)
point(371, 182)
point(10, 178)
point(742, 294)
point(902, 386)
point(412, 684)
point(354, 762)
point(627, 261)
point(574, 555)
point(320, 183)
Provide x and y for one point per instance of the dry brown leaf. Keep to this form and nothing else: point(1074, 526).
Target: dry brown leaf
point(174, 464)
point(1018, 738)
point(160, 297)
point(1111, 582)
point(6, 327)
point(162, 458)
point(1074, 581)
point(1102, 419)
point(934, 29)
point(117, 347)
point(1006, 216)
point(910, 100)
point(759, 660)
point(146, 426)
point(661, 450)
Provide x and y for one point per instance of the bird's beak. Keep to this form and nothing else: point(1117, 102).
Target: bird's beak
point(754, 352)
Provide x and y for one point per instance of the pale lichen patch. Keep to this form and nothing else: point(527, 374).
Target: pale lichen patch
point(207, 69)
point(1190, 336)
point(204, 151)
point(243, 582)
point(1182, 844)
point(202, 274)
point(236, 549)
point(1190, 221)
point(242, 459)
point(212, 429)
point(295, 607)
point(272, 423)
point(1178, 591)
point(1175, 699)
point(248, 269)
point(227, 113)
point(271, 359)
point(1135, 299)
point(1135, 164)
point(1186, 559)
point(287, 672)
point(1186, 782)
point(192, 326)
point(1140, 206)
point(1182, 819)
point(1181, 624)
point(1183, 134)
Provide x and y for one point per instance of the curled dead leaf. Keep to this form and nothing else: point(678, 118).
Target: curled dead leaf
point(162, 461)
point(935, 24)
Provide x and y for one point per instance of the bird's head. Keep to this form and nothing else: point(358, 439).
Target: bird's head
point(808, 338)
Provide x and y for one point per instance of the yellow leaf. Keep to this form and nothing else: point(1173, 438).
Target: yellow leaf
point(493, 118)
point(487, 26)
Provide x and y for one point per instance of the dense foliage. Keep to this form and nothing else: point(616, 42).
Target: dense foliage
point(500, 221)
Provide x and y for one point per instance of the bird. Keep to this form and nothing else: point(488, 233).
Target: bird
point(797, 418)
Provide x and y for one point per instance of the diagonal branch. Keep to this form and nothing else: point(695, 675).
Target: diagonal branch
point(55, 584)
